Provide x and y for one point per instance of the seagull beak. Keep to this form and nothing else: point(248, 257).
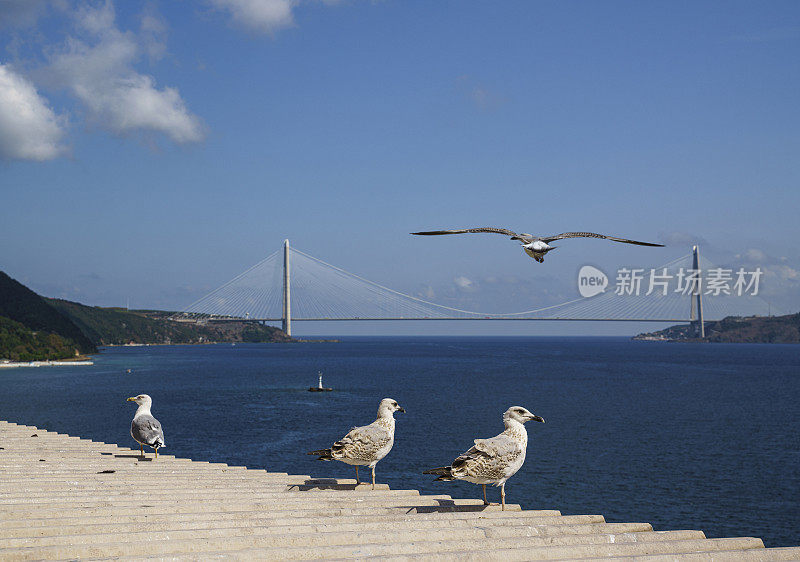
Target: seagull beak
point(536, 418)
point(131, 399)
point(401, 409)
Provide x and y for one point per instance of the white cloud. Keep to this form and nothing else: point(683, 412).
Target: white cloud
point(153, 33)
point(464, 283)
point(426, 292)
point(265, 16)
point(29, 129)
point(498, 293)
point(754, 255)
point(780, 282)
point(787, 273)
point(98, 70)
point(776, 268)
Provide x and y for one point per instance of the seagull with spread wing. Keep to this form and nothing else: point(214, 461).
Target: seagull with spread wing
point(494, 460)
point(366, 445)
point(535, 246)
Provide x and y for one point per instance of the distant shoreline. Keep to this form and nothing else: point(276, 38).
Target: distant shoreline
point(57, 363)
point(734, 329)
point(293, 340)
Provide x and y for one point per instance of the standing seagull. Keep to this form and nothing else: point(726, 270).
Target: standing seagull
point(146, 429)
point(536, 246)
point(495, 460)
point(365, 446)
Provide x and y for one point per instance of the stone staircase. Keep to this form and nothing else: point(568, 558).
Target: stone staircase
point(62, 497)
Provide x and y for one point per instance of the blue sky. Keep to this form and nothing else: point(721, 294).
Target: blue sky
point(152, 150)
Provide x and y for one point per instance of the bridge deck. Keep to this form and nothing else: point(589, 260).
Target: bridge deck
point(62, 497)
point(448, 318)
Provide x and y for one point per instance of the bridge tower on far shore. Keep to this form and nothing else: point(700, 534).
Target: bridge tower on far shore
point(286, 320)
point(696, 315)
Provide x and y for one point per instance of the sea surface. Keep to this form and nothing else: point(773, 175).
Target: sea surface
point(684, 436)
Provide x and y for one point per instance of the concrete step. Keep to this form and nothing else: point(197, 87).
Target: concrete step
point(123, 484)
point(752, 555)
point(102, 476)
point(207, 494)
point(92, 453)
point(53, 470)
point(178, 476)
point(299, 509)
point(282, 500)
point(14, 445)
point(278, 538)
point(388, 543)
point(98, 500)
point(302, 518)
point(129, 487)
point(550, 529)
point(89, 453)
point(123, 459)
point(505, 551)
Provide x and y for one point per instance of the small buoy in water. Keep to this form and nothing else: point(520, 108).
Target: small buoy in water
point(319, 387)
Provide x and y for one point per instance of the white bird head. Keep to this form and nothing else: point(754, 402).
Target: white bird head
point(520, 414)
point(388, 407)
point(142, 400)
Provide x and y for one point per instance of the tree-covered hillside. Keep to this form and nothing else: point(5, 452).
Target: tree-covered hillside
point(116, 326)
point(35, 328)
point(32, 329)
point(735, 329)
point(19, 343)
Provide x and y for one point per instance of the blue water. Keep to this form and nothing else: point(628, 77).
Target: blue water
point(679, 435)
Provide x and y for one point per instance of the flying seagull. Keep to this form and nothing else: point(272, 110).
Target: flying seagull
point(365, 446)
point(495, 460)
point(535, 246)
point(146, 429)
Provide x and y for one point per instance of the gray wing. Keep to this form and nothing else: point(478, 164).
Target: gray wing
point(514, 236)
point(488, 458)
point(498, 446)
point(361, 443)
point(563, 235)
point(146, 429)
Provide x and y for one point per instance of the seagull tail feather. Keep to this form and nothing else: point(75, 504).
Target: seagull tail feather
point(324, 454)
point(444, 473)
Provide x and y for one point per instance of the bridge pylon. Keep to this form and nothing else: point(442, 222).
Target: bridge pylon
point(696, 314)
point(286, 320)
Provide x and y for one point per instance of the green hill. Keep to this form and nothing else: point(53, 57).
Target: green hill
point(35, 328)
point(735, 329)
point(117, 326)
point(31, 329)
point(19, 343)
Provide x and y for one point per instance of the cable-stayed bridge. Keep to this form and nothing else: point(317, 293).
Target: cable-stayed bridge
point(290, 285)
